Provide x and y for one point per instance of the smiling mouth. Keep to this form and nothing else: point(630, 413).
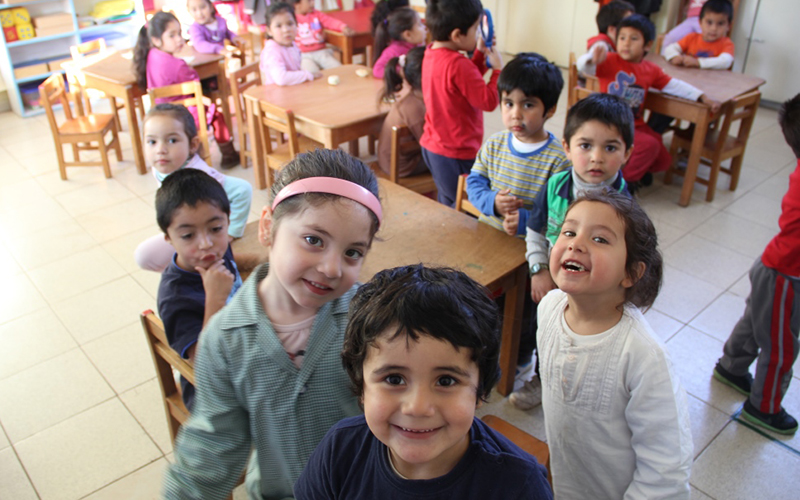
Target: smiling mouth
point(573, 267)
point(318, 286)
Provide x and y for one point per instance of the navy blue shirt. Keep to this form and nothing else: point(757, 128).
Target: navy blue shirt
point(351, 463)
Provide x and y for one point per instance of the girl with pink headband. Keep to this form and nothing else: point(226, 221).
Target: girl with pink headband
point(268, 371)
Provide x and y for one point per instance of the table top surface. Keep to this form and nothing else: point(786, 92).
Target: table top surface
point(117, 66)
point(353, 100)
point(358, 19)
point(417, 229)
point(719, 85)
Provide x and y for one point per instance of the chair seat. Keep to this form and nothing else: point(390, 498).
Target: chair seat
point(281, 155)
point(731, 142)
point(418, 183)
point(86, 124)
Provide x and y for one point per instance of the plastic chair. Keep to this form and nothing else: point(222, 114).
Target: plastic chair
point(265, 118)
point(719, 146)
point(191, 94)
point(81, 132)
point(240, 81)
point(403, 141)
point(462, 202)
point(528, 443)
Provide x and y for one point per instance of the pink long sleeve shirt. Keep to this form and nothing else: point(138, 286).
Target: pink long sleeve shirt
point(281, 65)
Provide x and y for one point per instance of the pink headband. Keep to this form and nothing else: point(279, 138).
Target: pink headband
point(332, 185)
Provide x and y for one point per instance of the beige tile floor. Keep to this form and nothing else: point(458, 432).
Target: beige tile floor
point(80, 408)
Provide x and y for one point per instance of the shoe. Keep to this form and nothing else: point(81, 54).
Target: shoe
point(647, 179)
point(780, 422)
point(230, 157)
point(524, 372)
point(529, 395)
point(741, 383)
point(633, 187)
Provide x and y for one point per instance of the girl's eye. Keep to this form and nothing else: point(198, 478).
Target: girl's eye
point(447, 381)
point(150, 142)
point(216, 229)
point(354, 254)
point(568, 233)
point(187, 236)
point(314, 241)
point(394, 379)
point(600, 239)
point(173, 141)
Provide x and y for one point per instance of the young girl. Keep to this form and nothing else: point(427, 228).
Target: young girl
point(615, 413)
point(210, 30)
point(171, 143)
point(269, 371)
point(280, 58)
point(311, 24)
point(382, 10)
point(402, 31)
point(155, 66)
point(408, 111)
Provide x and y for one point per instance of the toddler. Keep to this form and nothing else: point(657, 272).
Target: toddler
point(210, 30)
point(421, 350)
point(192, 210)
point(615, 413)
point(407, 111)
point(711, 48)
point(402, 31)
point(692, 22)
point(455, 92)
point(311, 37)
point(608, 17)
point(280, 57)
point(171, 144)
point(269, 372)
point(767, 332)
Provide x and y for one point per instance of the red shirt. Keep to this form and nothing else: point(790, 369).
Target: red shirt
point(310, 34)
point(602, 37)
point(783, 252)
point(694, 45)
point(455, 96)
point(630, 80)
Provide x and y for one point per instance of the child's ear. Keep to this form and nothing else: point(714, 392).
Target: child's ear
point(639, 272)
point(550, 112)
point(456, 35)
point(565, 145)
point(611, 32)
point(155, 42)
point(648, 46)
point(265, 227)
point(194, 145)
point(628, 153)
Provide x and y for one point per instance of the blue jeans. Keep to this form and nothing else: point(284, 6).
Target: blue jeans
point(445, 173)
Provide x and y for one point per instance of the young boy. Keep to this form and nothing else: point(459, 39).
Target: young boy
point(608, 17)
point(311, 24)
point(421, 350)
point(625, 73)
point(455, 92)
point(768, 330)
point(711, 48)
point(192, 209)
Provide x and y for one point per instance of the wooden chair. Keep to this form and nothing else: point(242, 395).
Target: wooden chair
point(462, 203)
point(528, 443)
point(82, 132)
point(658, 43)
point(265, 118)
point(191, 94)
point(403, 141)
point(240, 81)
point(719, 146)
point(578, 85)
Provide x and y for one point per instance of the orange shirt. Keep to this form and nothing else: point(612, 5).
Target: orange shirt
point(693, 45)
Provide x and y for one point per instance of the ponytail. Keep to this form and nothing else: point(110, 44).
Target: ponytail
point(140, 52)
point(410, 70)
point(392, 79)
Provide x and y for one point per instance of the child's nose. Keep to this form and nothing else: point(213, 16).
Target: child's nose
point(331, 265)
point(205, 240)
point(418, 402)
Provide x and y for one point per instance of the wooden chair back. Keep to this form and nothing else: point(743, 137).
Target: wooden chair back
point(403, 141)
point(190, 94)
point(658, 44)
point(462, 202)
point(241, 80)
point(578, 85)
point(528, 443)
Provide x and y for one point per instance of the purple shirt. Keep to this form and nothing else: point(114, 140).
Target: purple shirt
point(165, 69)
point(210, 38)
point(395, 49)
point(281, 65)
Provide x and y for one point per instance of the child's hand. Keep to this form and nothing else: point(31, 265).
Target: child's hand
point(690, 62)
point(714, 105)
point(494, 58)
point(348, 31)
point(599, 54)
point(677, 61)
point(217, 282)
point(505, 203)
point(511, 223)
point(541, 283)
point(317, 75)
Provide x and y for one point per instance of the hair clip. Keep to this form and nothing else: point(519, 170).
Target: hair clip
point(402, 61)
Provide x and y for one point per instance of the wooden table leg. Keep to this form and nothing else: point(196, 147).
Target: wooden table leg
point(256, 145)
point(512, 328)
point(347, 53)
point(222, 82)
point(693, 162)
point(133, 127)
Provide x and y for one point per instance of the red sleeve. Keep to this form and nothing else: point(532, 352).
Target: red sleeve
point(480, 61)
point(727, 46)
point(660, 79)
point(469, 80)
point(329, 22)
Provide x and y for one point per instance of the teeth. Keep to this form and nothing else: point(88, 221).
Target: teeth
point(416, 431)
point(574, 266)
point(317, 285)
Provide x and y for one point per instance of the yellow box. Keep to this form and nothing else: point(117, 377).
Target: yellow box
point(21, 15)
point(53, 20)
point(30, 70)
point(25, 31)
point(7, 18)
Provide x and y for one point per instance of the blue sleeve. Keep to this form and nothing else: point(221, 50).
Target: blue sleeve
point(183, 327)
point(240, 196)
point(537, 217)
point(480, 193)
point(524, 215)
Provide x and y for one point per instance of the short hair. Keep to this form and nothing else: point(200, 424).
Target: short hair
point(641, 244)
point(415, 300)
point(609, 109)
point(278, 8)
point(188, 186)
point(534, 76)
point(639, 23)
point(611, 14)
point(444, 16)
point(718, 7)
point(789, 120)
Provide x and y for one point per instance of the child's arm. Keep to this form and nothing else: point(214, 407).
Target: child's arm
point(240, 196)
point(537, 246)
point(182, 326)
point(330, 23)
point(202, 42)
point(588, 62)
point(274, 65)
point(479, 187)
point(679, 88)
point(674, 54)
point(217, 283)
point(468, 78)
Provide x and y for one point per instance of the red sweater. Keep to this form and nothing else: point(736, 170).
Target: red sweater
point(630, 80)
point(601, 37)
point(455, 96)
point(783, 252)
point(310, 34)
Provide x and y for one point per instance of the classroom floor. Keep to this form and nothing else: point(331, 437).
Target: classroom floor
point(80, 409)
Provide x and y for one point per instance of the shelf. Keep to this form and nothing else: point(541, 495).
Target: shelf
point(104, 26)
point(24, 4)
point(38, 39)
point(42, 76)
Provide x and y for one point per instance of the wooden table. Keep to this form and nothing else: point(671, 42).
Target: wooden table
point(112, 73)
point(330, 114)
point(719, 85)
point(359, 21)
point(417, 229)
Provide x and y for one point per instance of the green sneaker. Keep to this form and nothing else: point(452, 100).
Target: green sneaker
point(741, 383)
point(780, 422)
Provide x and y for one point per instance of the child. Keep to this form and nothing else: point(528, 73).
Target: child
point(769, 328)
point(692, 22)
point(280, 58)
point(382, 10)
point(171, 144)
point(608, 17)
point(408, 111)
point(625, 73)
point(455, 92)
point(192, 209)
point(269, 372)
point(513, 165)
point(615, 413)
point(421, 351)
point(402, 31)
point(598, 137)
point(711, 48)
point(311, 37)
point(210, 30)
point(156, 66)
